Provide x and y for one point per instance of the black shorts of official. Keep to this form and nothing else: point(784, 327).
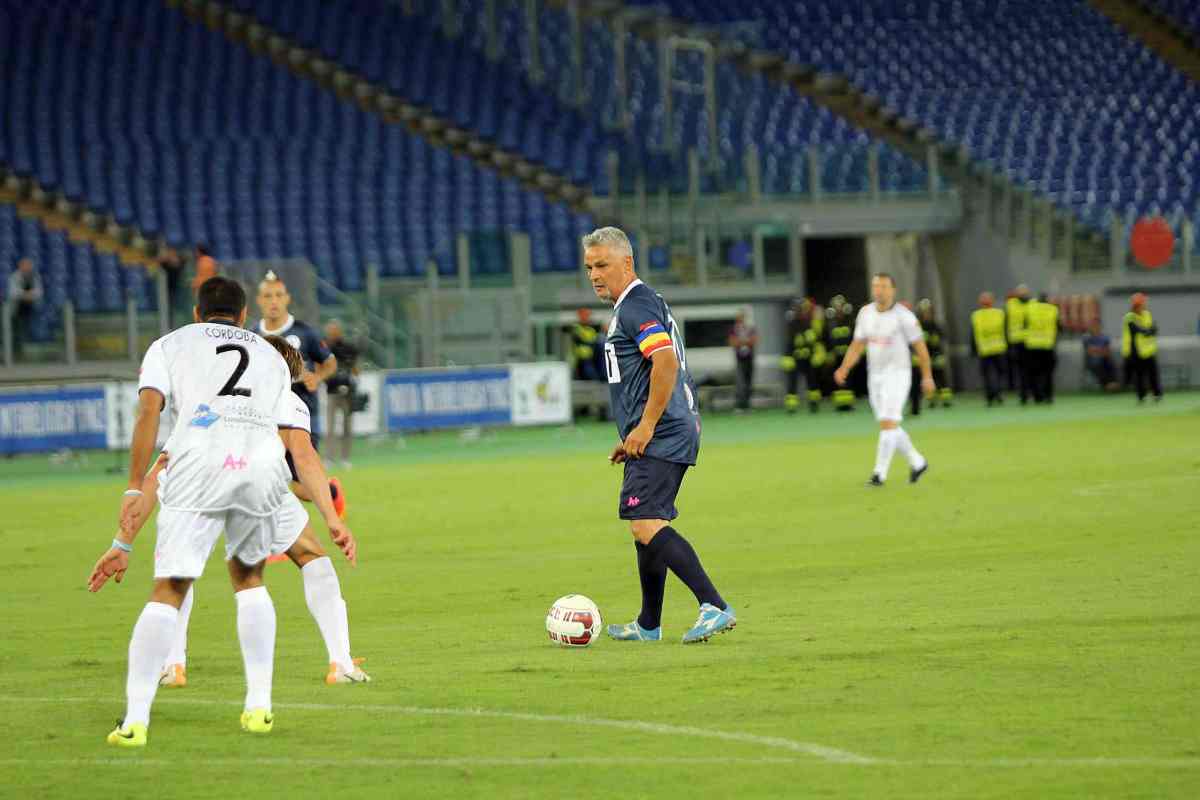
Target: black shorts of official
point(650, 488)
point(316, 443)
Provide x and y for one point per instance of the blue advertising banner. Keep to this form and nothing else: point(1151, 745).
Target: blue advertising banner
point(446, 398)
point(38, 419)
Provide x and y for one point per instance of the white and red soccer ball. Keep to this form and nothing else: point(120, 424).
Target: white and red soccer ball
point(573, 621)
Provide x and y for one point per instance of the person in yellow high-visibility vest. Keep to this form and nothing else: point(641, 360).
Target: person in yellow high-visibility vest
point(989, 345)
point(1041, 337)
point(1014, 313)
point(1139, 348)
point(585, 343)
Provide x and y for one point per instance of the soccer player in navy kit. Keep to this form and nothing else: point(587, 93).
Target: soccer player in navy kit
point(319, 364)
point(654, 405)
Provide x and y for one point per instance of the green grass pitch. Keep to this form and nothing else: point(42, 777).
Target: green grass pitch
point(1023, 623)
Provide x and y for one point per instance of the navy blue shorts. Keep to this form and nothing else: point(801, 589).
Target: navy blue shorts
point(649, 488)
point(316, 442)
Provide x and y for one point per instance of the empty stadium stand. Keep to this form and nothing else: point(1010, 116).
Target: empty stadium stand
point(172, 128)
point(500, 100)
point(1099, 125)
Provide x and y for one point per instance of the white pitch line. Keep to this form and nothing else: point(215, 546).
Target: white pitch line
point(826, 754)
point(776, 742)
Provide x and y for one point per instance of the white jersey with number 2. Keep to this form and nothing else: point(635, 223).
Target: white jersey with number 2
point(888, 335)
point(230, 392)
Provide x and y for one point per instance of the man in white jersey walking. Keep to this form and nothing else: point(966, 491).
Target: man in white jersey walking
point(886, 331)
point(234, 411)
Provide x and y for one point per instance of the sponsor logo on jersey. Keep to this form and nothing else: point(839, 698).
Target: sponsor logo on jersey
point(203, 417)
point(234, 463)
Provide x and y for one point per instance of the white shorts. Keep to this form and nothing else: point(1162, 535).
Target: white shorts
point(186, 538)
point(290, 519)
point(888, 392)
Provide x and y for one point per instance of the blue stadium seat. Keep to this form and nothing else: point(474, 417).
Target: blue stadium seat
point(114, 108)
point(1051, 94)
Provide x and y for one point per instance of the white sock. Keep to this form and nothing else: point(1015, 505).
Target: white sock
point(256, 632)
point(178, 654)
point(148, 648)
point(906, 448)
point(323, 593)
point(883, 453)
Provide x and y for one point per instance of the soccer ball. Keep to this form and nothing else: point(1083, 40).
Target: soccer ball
point(573, 621)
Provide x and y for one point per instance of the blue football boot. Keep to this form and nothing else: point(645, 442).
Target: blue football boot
point(633, 632)
point(712, 621)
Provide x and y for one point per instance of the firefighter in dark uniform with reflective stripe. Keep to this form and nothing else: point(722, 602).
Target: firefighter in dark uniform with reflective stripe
point(937, 358)
point(841, 334)
point(794, 360)
point(935, 340)
point(819, 362)
point(808, 356)
point(793, 354)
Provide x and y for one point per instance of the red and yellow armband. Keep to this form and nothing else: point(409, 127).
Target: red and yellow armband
point(652, 337)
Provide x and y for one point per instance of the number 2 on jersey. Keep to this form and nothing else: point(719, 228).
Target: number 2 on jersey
point(231, 388)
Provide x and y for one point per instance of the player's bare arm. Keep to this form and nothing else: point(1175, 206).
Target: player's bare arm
point(313, 478)
point(663, 372)
point(141, 450)
point(926, 367)
point(322, 373)
point(853, 354)
point(115, 560)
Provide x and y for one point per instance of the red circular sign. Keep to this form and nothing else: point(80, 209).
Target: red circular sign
point(1152, 242)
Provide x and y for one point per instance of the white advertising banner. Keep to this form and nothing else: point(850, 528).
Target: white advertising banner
point(366, 423)
point(541, 393)
point(121, 405)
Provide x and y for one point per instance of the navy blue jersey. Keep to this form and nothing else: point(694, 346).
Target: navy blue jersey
point(642, 325)
point(312, 348)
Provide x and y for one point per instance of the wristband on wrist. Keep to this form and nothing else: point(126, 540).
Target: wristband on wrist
point(133, 492)
point(117, 543)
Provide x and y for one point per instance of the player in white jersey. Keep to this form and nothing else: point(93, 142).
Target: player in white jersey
point(886, 331)
point(294, 538)
point(231, 394)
